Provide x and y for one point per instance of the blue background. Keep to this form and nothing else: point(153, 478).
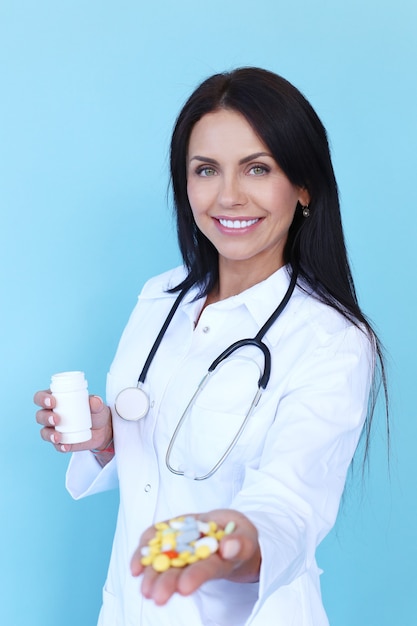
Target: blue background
point(89, 92)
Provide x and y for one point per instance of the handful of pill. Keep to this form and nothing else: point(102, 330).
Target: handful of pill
point(182, 541)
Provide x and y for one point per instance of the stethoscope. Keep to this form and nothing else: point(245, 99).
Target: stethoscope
point(132, 403)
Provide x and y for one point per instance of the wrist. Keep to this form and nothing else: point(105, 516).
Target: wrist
point(108, 448)
point(104, 455)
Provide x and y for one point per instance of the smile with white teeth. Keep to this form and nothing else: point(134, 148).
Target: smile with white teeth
point(237, 223)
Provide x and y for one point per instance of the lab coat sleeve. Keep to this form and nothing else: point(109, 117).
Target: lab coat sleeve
point(293, 496)
point(86, 477)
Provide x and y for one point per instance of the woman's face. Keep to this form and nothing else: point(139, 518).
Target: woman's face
point(241, 200)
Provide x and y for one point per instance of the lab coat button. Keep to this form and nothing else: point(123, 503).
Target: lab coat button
point(147, 487)
point(206, 329)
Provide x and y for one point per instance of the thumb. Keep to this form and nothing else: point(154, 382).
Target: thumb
point(96, 404)
point(243, 554)
point(230, 549)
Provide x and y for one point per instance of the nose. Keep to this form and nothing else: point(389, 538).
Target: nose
point(231, 192)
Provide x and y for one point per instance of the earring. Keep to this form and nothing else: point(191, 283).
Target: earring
point(306, 211)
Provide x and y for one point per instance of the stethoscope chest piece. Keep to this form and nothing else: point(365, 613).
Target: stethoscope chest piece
point(132, 404)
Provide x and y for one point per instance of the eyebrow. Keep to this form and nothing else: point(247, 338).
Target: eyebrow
point(246, 159)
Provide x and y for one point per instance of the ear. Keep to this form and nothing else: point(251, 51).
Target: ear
point(304, 196)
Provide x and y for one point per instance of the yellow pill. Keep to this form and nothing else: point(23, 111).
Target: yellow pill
point(146, 560)
point(219, 534)
point(177, 562)
point(213, 527)
point(203, 552)
point(192, 558)
point(184, 555)
point(170, 538)
point(161, 563)
point(154, 541)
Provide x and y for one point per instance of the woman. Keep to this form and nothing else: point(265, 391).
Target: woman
point(260, 233)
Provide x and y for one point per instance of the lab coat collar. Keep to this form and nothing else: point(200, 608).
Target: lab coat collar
point(260, 300)
point(263, 298)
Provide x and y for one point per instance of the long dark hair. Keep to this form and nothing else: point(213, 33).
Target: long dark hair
point(290, 128)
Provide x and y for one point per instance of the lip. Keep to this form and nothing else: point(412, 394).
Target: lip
point(236, 224)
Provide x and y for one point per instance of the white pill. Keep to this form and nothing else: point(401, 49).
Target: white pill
point(203, 527)
point(210, 542)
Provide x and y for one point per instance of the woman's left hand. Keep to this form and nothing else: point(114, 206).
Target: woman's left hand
point(238, 559)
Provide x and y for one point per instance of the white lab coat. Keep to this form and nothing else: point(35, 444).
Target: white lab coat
point(286, 473)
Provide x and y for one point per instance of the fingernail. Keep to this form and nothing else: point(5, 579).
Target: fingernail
point(51, 420)
point(47, 401)
point(64, 448)
point(230, 549)
point(100, 401)
point(53, 438)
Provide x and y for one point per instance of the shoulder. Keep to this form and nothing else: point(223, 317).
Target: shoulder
point(328, 328)
point(158, 286)
point(323, 351)
point(153, 304)
point(154, 300)
point(323, 319)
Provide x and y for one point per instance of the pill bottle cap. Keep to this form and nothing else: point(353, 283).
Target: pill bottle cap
point(68, 381)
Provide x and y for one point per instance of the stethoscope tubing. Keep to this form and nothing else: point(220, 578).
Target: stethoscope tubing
point(160, 336)
point(255, 341)
point(252, 341)
point(141, 399)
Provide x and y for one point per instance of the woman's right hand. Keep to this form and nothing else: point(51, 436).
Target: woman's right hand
point(102, 431)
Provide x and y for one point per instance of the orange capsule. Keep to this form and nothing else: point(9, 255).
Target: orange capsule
point(172, 554)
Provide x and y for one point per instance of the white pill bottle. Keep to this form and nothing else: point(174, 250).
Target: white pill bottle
point(70, 390)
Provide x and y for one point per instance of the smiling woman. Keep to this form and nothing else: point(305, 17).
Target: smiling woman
point(264, 256)
point(240, 199)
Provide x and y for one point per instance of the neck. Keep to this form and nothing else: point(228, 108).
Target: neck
point(237, 277)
